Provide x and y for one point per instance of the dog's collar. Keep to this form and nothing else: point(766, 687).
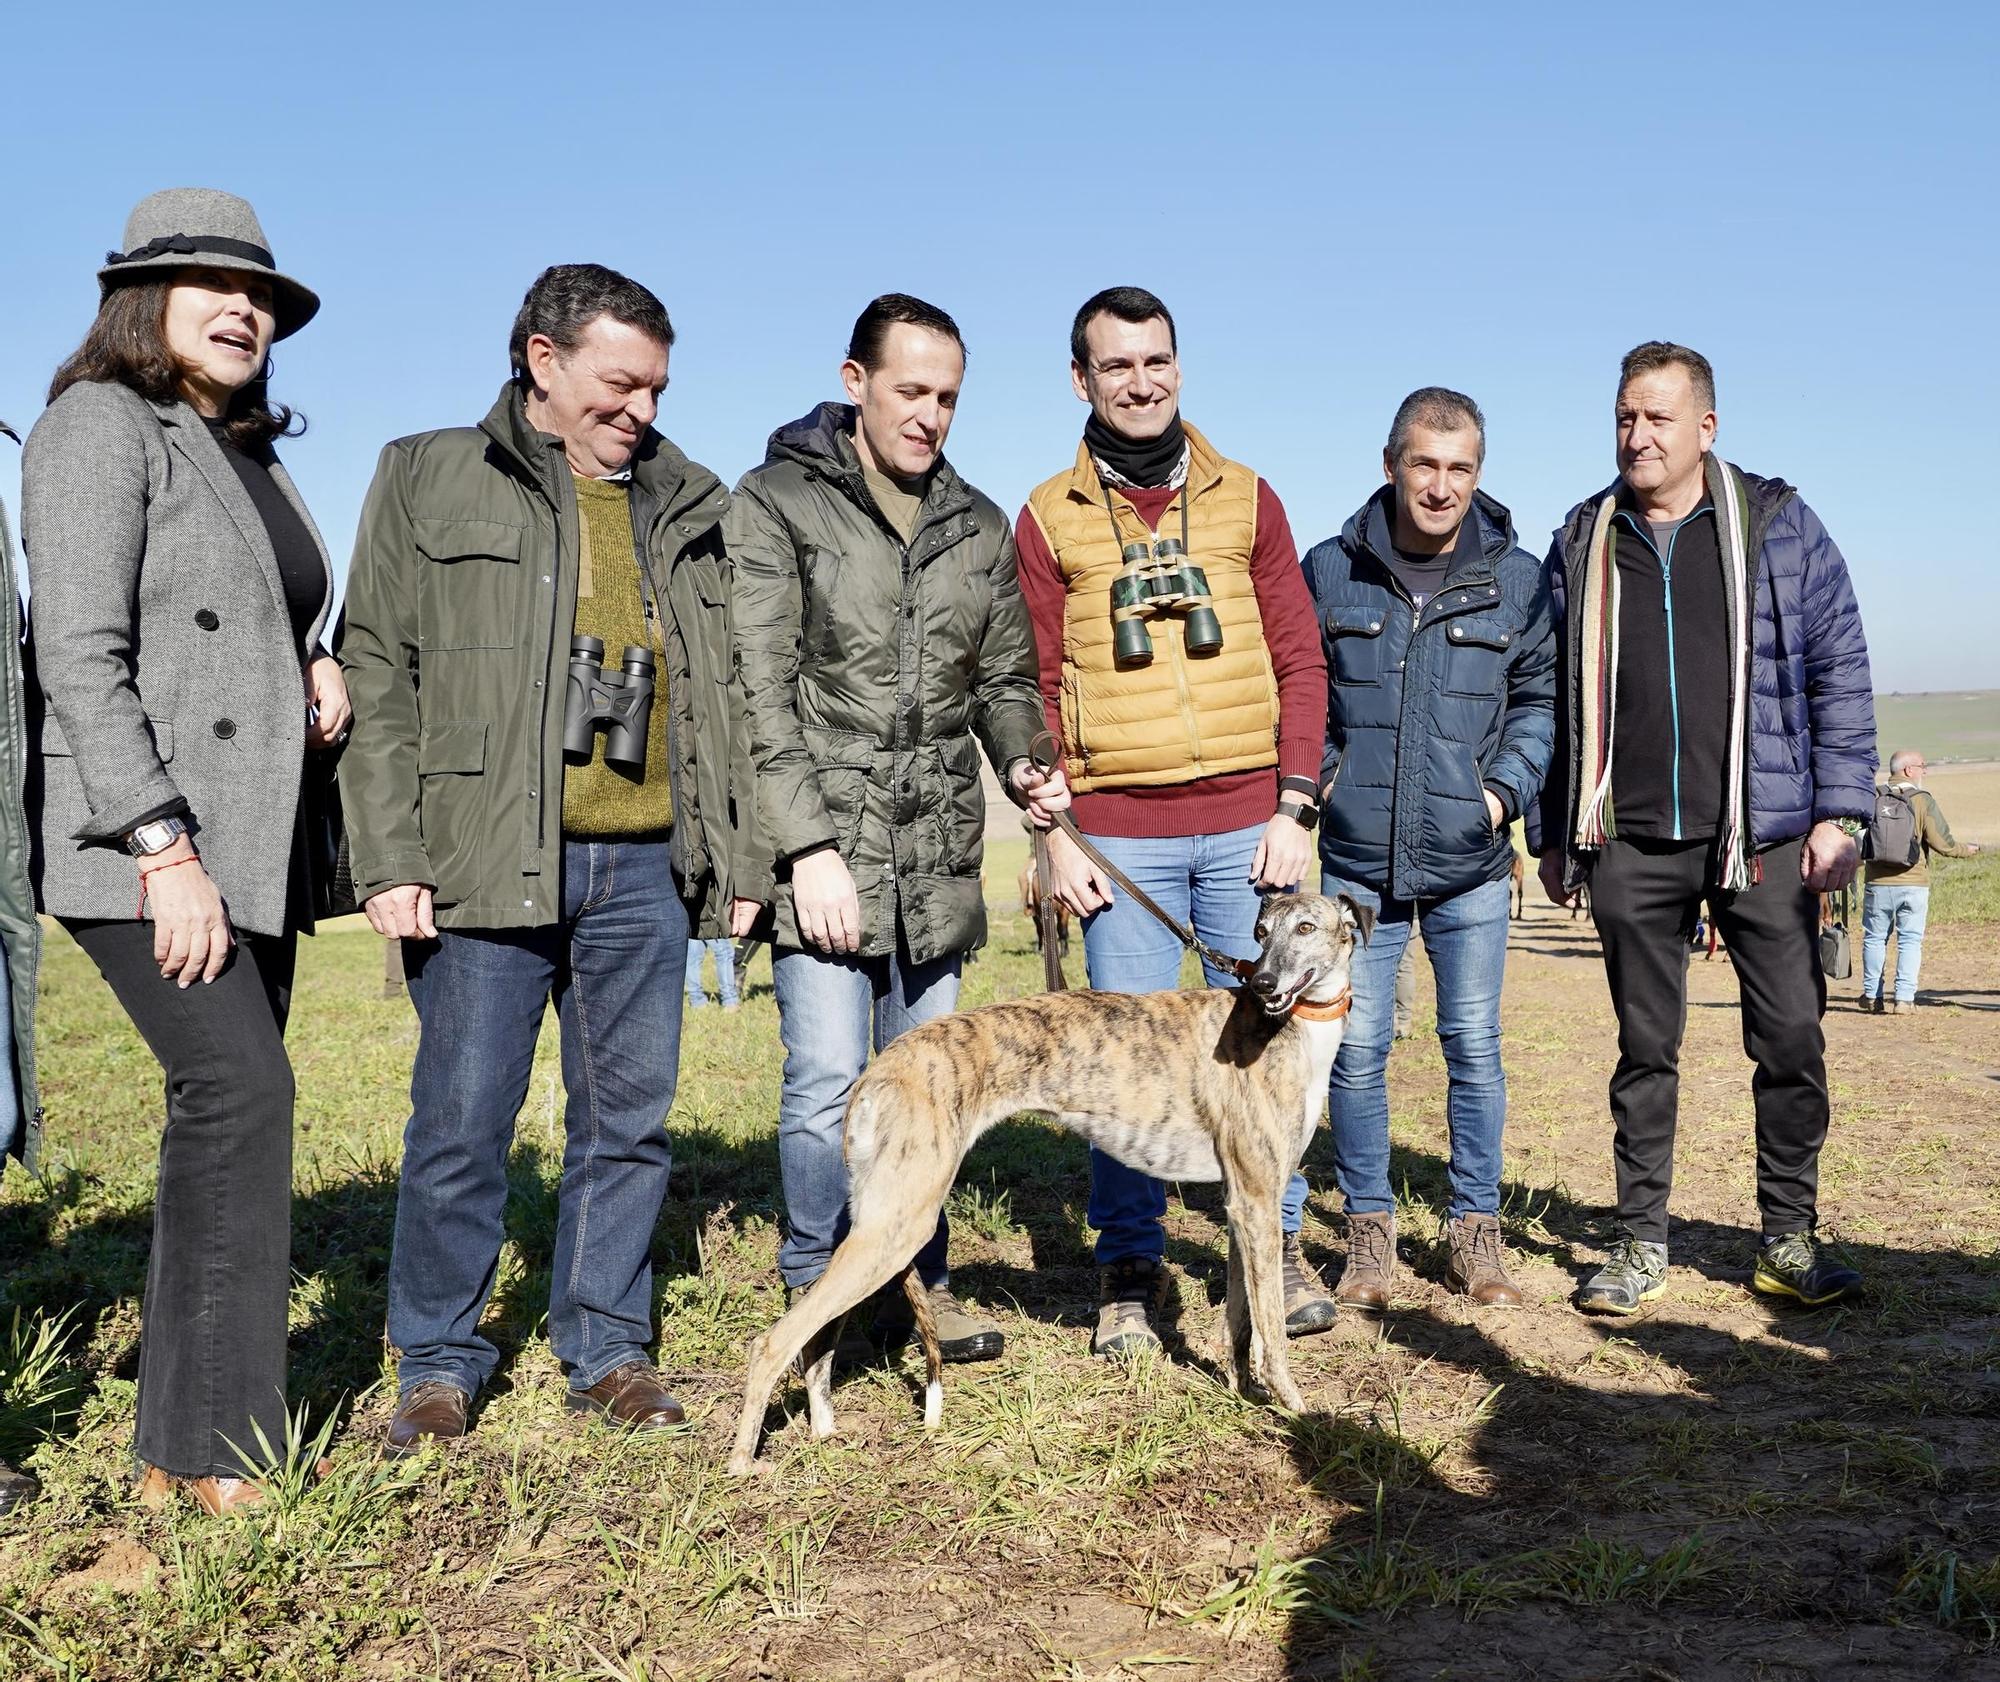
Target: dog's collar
point(1330, 1011)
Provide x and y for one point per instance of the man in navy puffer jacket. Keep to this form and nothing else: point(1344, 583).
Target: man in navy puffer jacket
point(1440, 652)
point(1715, 739)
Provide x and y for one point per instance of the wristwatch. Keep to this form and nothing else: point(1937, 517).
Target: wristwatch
point(154, 837)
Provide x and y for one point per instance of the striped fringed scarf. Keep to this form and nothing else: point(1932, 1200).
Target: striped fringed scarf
point(1597, 687)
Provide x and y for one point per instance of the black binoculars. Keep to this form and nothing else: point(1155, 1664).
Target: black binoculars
point(621, 701)
point(1158, 580)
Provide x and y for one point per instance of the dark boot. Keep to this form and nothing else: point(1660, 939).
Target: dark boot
point(1308, 1308)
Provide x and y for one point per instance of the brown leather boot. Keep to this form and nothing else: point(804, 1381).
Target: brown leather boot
point(631, 1395)
point(215, 1496)
point(1370, 1273)
point(1478, 1266)
point(430, 1410)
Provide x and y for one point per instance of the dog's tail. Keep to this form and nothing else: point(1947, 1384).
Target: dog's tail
point(920, 1306)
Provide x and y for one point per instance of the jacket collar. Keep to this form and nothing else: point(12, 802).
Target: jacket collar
point(822, 441)
point(679, 488)
point(1204, 472)
point(1486, 536)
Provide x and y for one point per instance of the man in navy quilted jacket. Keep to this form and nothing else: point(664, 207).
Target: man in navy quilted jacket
point(1715, 739)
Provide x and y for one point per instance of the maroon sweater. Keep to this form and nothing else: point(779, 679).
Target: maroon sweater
point(1234, 799)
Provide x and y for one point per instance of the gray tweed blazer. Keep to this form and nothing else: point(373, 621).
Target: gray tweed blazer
point(162, 654)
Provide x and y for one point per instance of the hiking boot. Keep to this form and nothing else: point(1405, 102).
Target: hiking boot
point(1633, 1277)
point(1370, 1273)
point(1871, 1007)
point(1308, 1308)
point(1799, 1266)
point(962, 1334)
point(1896, 1007)
point(428, 1411)
point(1130, 1294)
point(1478, 1265)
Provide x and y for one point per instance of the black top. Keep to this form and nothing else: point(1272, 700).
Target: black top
point(1422, 576)
point(1670, 752)
point(300, 568)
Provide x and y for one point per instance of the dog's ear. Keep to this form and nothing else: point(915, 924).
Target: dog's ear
point(1363, 915)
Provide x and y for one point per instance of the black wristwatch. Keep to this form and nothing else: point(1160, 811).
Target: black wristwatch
point(1298, 799)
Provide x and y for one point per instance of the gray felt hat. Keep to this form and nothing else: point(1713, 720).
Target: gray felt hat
point(183, 227)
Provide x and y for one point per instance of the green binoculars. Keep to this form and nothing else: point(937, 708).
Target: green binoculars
point(1157, 580)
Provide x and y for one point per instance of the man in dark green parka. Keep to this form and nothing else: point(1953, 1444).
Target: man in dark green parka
point(20, 934)
point(880, 630)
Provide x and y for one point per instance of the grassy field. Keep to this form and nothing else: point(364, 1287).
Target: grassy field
point(1721, 1489)
point(1951, 724)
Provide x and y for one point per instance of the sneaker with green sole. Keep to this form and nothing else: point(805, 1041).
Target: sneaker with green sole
point(1635, 1275)
point(1797, 1265)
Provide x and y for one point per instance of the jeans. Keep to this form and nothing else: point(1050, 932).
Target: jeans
point(831, 1010)
point(1904, 910)
point(725, 971)
point(1645, 897)
point(613, 966)
point(1126, 949)
point(212, 1346)
point(10, 1093)
point(1465, 935)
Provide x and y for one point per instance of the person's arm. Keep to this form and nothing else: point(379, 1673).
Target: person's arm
point(1043, 592)
point(84, 491)
point(1840, 695)
point(750, 873)
point(377, 648)
point(1298, 663)
point(1527, 731)
point(1007, 706)
point(1935, 833)
point(769, 604)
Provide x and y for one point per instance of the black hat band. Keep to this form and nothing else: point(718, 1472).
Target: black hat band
point(184, 245)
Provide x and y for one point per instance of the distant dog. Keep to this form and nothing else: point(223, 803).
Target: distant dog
point(1205, 1084)
point(1517, 886)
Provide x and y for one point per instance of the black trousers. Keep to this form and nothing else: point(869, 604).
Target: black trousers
point(212, 1347)
point(1645, 897)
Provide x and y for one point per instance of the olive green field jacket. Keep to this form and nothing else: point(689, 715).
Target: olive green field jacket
point(868, 668)
point(455, 640)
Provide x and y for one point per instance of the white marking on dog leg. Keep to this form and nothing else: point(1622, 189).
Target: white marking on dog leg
point(933, 1405)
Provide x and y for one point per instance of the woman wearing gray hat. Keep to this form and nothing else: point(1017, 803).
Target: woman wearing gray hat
point(178, 588)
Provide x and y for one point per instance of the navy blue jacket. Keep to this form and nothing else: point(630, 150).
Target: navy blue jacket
point(1425, 713)
point(1812, 703)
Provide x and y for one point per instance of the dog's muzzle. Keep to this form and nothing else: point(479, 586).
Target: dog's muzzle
point(1273, 996)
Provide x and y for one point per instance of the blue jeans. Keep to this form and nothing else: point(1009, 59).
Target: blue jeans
point(1905, 910)
point(613, 966)
point(1466, 937)
point(10, 1097)
point(1126, 949)
point(831, 1010)
point(725, 971)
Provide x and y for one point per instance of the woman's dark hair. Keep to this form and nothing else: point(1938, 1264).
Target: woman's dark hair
point(871, 327)
point(127, 344)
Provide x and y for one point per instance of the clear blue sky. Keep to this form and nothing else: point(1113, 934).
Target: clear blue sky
point(1339, 203)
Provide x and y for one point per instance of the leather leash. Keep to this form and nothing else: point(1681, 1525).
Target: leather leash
point(1046, 755)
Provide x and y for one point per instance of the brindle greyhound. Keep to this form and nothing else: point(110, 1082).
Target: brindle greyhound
point(1197, 1085)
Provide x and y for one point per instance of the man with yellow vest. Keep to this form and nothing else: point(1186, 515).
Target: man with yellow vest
point(1182, 671)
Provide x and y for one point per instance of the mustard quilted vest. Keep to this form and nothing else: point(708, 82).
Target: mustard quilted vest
point(1178, 718)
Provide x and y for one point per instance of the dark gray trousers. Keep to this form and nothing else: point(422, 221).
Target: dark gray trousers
point(212, 1346)
point(1645, 897)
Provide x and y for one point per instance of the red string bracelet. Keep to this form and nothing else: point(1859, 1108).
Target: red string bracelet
point(175, 865)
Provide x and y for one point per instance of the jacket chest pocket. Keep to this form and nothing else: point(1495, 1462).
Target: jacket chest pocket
point(1475, 659)
point(469, 587)
point(1354, 643)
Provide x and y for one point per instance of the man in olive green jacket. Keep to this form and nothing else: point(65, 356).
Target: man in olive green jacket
point(880, 629)
point(515, 870)
point(20, 933)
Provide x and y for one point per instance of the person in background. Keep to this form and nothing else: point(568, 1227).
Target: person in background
point(882, 643)
point(725, 973)
point(1896, 897)
point(20, 933)
point(517, 873)
point(178, 589)
point(1440, 652)
point(1191, 734)
point(1715, 740)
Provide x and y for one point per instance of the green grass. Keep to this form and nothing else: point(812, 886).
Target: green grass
point(1069, 1515)
point(1948, 724)
point(1966, 890)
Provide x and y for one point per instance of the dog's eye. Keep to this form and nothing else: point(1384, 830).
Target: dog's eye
point(1261, 932)
point(1305, 928)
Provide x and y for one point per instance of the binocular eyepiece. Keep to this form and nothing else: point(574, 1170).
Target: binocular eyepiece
point(619, 700)
point(1157, 580)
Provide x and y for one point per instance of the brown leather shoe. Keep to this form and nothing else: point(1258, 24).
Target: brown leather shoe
point(215, 1496)
point(630, 1395)
point(1478, 1265)
point(1370, 1273)
point(429, 1409)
